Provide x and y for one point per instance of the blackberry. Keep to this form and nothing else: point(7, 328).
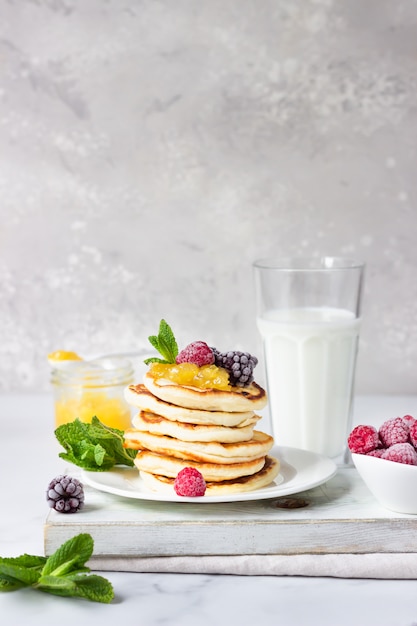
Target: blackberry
point(239, 365)
point(65, 494)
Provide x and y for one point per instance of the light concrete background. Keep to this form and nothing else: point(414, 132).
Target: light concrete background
point(151, 150)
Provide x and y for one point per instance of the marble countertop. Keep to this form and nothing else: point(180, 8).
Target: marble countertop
point(28, 461)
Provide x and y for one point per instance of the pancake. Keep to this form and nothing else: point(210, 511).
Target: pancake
point(169, 467)
point(260, 479)
point(140, 397)
point(251, 398)
point(212, 452)
point(156, 424)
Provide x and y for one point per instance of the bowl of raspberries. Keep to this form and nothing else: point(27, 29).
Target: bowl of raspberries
point(386, 460)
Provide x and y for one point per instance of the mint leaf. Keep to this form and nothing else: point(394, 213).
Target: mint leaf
point(64, 573)
point(164, 343)
point(17, 575)
point(71, 556)
point(7, 585)
point(20, 571)
point(92, 587)
point(94, 446)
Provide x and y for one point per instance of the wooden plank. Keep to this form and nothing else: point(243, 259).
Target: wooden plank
point(340, 516)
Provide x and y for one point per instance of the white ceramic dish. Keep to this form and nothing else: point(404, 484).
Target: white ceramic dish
point(393, 484)
point(300, 470)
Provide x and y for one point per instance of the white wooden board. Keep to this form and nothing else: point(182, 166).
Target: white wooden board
point(340, 516)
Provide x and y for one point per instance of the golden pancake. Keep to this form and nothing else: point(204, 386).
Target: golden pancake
point(169, 466)
point(212, 452)
point(251, 398)
point(140, 397)
point(152, 423)
point(260, 479)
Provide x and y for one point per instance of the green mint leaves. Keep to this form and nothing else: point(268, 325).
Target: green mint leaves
point(94, 446)
point(64, 573)
point(164, 343)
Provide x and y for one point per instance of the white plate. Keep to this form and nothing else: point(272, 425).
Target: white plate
point(300, 470)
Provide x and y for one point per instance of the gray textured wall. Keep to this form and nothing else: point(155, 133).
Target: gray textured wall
point(151, 150)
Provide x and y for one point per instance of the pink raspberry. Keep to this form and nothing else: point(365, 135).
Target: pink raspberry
point(413, 434)
point(393, 431)
point(198, 353)
point(363, 439)
point(378, 453)
point(409, 420)
point(401, 453)
point(190, 482)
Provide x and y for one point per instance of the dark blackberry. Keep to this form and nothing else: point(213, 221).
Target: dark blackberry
point(65, 494)
point(239, 365)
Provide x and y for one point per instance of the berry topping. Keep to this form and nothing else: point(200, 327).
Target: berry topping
point(363, 439)
point(65, 494)
point(190, 483)
point(198, 353)
point(393, 431)
point(409, 420)
point(401, 453)
point(240, 366)
point(413, 434)
point(378, 452)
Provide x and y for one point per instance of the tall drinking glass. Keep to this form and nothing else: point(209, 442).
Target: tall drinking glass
point(308, 314)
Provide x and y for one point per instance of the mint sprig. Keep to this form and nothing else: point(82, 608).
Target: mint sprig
point(64, 573)
point(94, 446)
point(164, 343)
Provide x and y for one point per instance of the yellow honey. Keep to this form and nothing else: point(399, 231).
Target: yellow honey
point(89, 389)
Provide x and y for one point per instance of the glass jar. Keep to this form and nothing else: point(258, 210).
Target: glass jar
point(83, 389)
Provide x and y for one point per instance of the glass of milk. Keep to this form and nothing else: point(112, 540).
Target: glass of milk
point(308, 314)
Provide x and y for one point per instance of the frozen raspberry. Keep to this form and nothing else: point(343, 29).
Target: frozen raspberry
point(363, 439)
point(409, 420)
point(198, 353)
point(190, 482)
point(378, 452)
point(413, 434)
point(65, 494)
point(401, 453)
point(393, 431)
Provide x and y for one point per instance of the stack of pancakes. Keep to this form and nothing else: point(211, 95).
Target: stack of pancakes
point(209, 429)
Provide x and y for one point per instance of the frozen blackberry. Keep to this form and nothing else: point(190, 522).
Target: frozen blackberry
point(239, 365)
point(65, 494)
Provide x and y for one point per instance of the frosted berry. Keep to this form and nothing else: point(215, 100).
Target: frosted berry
point(65, 494)
point(190, 482)
point(409, 420)
point(393, 431)
point(198, 353)
point(239, 365)
point(363, 439)
point(413, 434)
point(378, 452)
point(401, 453)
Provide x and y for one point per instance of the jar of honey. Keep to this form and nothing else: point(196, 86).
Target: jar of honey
point(84, 389)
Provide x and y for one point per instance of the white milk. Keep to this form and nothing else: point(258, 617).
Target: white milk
point(310, 357)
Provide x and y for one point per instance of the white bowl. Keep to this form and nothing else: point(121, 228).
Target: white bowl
point(393, 484)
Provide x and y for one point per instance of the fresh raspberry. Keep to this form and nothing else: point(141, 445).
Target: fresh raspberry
point(378, 452)
point(190, 482)
point(393, 431)
point(401, 453)
point(409, 420)
point(363, 439)
point(198, 353)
